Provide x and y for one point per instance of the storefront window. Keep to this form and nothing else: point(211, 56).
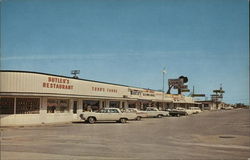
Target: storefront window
point(63, 106)
point(114, 104)
point(51, 105)
point(27, 105)
point(6, 105)
point(145, 106)
point(90, 105)
point(57, 105)
point(131, 104)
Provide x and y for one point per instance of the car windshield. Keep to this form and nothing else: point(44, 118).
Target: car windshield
point(180, 108)
point(103, 111)
point(113, 111)
point(131, 110)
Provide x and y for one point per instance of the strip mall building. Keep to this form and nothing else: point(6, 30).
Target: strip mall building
point(35, 98)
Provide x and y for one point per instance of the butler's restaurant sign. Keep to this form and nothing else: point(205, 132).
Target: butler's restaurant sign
point(58, 83)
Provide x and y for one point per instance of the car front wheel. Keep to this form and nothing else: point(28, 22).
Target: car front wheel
point(159, 116)
point(138, 118)
point(91, 120)
point(123, 120)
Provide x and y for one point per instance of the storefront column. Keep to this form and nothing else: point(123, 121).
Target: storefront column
point(120, 106)
point(126, 104)
point(15, 105)
point(100, 104)
point(79, 106)
point(43, 109)
point(71, 103)
point(107, 103)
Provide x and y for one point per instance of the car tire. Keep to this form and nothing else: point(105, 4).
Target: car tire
point(123, 120)
point(91, 120)
point(138, 118)
point(159, 116)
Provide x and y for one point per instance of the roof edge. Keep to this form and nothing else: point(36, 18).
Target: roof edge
point(49, 74)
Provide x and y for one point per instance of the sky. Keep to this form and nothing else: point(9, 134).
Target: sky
point(129, 42)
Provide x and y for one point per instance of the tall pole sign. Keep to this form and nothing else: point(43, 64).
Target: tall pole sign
point(217, 97)
point(178, 84)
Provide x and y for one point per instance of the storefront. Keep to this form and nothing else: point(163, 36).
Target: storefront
point(133, 104)
point(36, 98)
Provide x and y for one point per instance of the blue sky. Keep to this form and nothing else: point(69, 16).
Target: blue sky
point(130, 41)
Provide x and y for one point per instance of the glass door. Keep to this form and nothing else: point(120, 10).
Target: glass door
point(75, 107)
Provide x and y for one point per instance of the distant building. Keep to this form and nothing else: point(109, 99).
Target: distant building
point(212, 105)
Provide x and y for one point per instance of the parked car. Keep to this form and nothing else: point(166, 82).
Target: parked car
point(193, 110)
point(178, 112)
point(154, 112)
point(168, 109)
point(227, 108)
point(107, 114)
point(140, 114)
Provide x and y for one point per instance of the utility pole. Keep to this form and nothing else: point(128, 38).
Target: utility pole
point(163, 81)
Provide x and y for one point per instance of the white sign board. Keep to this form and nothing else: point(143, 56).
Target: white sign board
point(175, 82)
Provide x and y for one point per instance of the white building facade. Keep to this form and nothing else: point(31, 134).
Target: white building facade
point(28, 98)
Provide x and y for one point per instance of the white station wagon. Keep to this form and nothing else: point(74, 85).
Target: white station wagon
point(107, 114)
point(154, 112)
point(140, 114)
point(193, 110)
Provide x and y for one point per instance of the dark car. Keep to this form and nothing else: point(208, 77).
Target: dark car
point(178, 112)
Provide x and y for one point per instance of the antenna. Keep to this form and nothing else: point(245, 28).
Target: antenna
point(75, 72)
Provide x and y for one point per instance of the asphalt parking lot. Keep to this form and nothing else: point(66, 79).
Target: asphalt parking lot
point(208, 135)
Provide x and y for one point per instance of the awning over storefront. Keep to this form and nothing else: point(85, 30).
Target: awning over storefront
point(68, 96)
point(197, 103)
point(179, 102)
point(145, 100)
point(164, 101)
point(184, 102)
